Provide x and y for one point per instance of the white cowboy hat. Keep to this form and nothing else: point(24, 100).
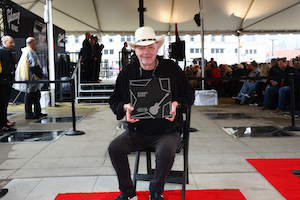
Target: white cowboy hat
point(145, 36)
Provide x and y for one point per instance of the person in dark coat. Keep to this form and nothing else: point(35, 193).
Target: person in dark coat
point(7, 69)
point(87, 57)
point(161, 134)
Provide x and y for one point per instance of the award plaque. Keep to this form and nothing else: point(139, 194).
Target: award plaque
point(151, 98)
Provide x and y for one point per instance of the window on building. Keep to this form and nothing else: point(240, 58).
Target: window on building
point(111, 39)
point(217, 51)
point(106, 61)
point(76, 39)
point(111, 51)
point(66, 39)
point(197, 51)
point(223, 38)
point(247, 51)
point(192, 50)
point(221, 50)
point(105, 51)
point(235, 50)
point(213, 38)
point(133, 38)
point(122, 38)
point(128, 38)
point(192, 38)
point(250, 51)
point(212, 50)
point(255, 51)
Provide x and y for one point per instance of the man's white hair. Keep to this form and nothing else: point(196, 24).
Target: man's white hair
point(6, 38)
point(29, 40)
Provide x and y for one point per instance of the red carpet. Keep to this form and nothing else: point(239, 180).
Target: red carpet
point(233, 194)
point(278, 173)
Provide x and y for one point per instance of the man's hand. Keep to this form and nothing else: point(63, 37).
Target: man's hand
point(173, 111)
point(274, 83)
point(128, 108)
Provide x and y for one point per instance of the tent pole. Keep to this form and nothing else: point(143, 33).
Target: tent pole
point(239, 47)
point(141, 10)
point(202, 42)
point(48, 12)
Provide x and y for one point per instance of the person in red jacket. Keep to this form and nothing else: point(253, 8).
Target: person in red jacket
point(214, 73)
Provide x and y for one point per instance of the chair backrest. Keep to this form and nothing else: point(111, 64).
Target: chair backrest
point(185, 129)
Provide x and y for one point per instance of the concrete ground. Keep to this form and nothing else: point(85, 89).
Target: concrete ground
point(40, 171)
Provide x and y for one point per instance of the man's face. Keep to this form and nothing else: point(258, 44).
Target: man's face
point(9, 44)
point(147, 54)
point(252, 68)
point(282, 64)
point(33, 44)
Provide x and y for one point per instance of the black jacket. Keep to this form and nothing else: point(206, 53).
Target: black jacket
point(276, 71)
point(181, 90)
point(87, 50)
point(7, 63)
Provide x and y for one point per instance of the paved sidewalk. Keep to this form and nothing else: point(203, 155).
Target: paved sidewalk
point(40, 171)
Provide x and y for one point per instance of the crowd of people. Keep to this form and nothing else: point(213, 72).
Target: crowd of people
point(243, 84)
point(91, 52)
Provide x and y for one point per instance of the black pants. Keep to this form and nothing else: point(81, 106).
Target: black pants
point(261, 86)
point(165, 146)
point(5, 91)
point(88, 69)
point(96, 70)
point(33, 98)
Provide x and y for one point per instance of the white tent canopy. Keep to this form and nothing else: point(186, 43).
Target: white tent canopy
point(220, 16)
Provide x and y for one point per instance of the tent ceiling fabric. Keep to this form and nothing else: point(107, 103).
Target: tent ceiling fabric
point(220, 16)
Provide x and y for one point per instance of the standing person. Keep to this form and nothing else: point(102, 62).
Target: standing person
point(125, 54)
point(97, 51)
point(161, 134)
point(7, 68)
point(29, 69)
point(87, 57)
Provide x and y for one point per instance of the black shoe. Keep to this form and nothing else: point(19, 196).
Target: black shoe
point(3, 192)
point(41, 115)
point(155, 196)
point(8, 128)
point(122, 197)
point(32, 117)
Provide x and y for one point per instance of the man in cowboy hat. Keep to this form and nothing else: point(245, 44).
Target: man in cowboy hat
point(161, 134)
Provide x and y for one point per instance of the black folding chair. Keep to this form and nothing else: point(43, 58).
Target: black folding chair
point(175, 176)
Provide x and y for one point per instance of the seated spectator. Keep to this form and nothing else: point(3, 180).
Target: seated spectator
point(196, 74)
point(277, 89)
point(214, 73)
point(297, 66)
point(249, 83)
point(264, 72)
point(226, 72)
point(187, 70)
point(238, 72)
point(274, 71)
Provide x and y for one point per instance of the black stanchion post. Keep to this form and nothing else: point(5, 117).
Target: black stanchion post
point(74, 131)
point(292, 105)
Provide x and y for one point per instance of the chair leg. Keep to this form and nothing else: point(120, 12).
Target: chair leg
point(148, 157)
point(185, 174)
point(136, 169)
